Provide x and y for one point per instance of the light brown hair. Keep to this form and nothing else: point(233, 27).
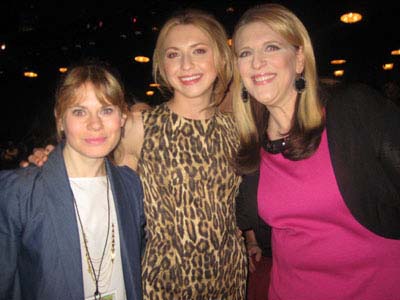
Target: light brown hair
point(107, 87)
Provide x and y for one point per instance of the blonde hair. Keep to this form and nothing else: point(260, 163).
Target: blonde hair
point(223, 57)
point(107, 87)
point(251, 115)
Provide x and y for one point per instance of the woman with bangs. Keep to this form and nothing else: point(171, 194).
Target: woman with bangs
point(74, 229)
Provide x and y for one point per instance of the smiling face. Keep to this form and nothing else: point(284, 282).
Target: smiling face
point(92, 129)
point(267, 64)
point(189, 62)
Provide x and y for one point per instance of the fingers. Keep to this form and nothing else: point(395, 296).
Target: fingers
point(48, 149)
point(252, 266)
point(38, 157)
point(23, 163)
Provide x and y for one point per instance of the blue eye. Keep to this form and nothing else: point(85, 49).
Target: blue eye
point(200, 51)
point(244, 53)
point(78, 112)
point(271, 48)
point(107, 110)
point(172, 54)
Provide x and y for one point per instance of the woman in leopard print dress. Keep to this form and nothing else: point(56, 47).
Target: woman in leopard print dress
point(182, 150)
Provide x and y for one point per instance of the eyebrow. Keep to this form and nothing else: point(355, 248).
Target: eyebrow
point(191, 46)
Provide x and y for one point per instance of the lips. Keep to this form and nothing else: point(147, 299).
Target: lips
point(264, 78)
point(192, 79)
point(95, 141)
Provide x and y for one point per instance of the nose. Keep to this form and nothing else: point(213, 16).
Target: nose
point(259, 60)
point(187, 62)
point(95, 122)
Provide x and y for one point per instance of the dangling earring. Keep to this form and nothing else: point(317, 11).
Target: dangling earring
point(122, 131)
point(300, 83)
point(62, 135)
point(245, 95)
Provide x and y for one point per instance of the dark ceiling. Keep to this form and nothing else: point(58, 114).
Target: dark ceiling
point(43, 35)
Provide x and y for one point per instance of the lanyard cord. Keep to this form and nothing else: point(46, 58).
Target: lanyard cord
point(97, 294)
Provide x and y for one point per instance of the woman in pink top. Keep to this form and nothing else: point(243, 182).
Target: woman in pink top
point(329, 166)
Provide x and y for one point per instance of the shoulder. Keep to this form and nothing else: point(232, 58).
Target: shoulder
point(128, 178)
point(18, 179)
point(16, 188)
point(355, 95)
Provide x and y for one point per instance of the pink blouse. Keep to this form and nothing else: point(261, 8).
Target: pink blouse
point(319, 250)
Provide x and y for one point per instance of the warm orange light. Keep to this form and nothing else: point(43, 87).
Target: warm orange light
point(338, 61)
point(150, 93)
point(30, 74)
point(395, 52)
point(63, 69)
point(351, 17)
point(388, 66)
point(338, 73)
point(142, 59)
point(230, 42)
point(154, 84)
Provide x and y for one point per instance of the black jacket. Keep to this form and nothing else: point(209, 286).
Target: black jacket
point(363, 130)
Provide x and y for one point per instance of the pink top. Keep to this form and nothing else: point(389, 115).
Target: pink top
point(319, 250)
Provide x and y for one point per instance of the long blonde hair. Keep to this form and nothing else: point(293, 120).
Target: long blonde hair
point(223, 57)
point(252, 116)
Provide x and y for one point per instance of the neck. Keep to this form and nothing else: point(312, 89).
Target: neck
point(280, 120)
point(79, 167)
point(191, 108)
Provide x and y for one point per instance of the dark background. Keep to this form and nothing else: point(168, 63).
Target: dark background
point(43, 36)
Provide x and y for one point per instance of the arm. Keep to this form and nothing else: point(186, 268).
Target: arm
point(10, 233)
point(128, 150)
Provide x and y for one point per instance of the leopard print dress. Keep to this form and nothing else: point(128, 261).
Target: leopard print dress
point(192, 250)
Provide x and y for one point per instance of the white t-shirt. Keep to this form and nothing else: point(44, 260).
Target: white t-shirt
point(91, 198)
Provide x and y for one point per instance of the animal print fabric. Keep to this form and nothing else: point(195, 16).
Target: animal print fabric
point(192, 251)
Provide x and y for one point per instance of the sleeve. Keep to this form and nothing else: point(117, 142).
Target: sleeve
point(246, 203)
point(10, 233)
point(382, 118)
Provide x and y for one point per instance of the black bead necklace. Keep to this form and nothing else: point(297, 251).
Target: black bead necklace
point(275, 146)
point(97, 294)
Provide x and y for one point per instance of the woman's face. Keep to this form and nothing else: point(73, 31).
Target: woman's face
point(189, 62)
point(92, 130)
point(267, 63)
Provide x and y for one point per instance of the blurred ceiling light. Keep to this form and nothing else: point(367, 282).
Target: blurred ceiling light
point(142, 59)
point(395, 52)
point(338, 73)
point(150, 93)
point(230, 9)
point(388, 66)
point(154, 84)
point(154, 28)
point(30, 74)
point(351, 17)
point(230, 42)
point(338, 61)
point(3, 46)
point(63, 69)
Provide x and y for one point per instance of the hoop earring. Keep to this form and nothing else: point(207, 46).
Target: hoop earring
point(300, 83)
point(245, 95)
